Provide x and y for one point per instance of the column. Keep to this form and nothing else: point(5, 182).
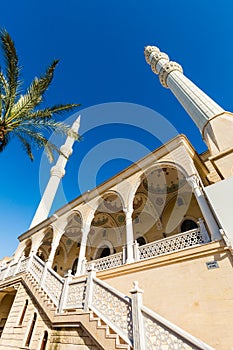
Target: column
point(56, 174)
point(57, 234)
point(198, 105)
point(194, 182)
point(82, 252)
point(129, 235)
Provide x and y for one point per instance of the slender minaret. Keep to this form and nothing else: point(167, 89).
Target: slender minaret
point(215, 124)
point(56, 174)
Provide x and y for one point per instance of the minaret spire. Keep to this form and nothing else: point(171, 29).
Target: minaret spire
point(198, 105)
point(56, 174)
point(214, 123)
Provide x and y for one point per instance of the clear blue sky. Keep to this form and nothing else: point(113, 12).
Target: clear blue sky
point(100, 46)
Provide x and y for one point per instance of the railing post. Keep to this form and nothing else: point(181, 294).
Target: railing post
point(18, 265)
point(44, 273)
point(64, 293)
point(138, 328)
point(203, 230)
point(31, 257)
point(91, 273)
point(136, 251)
point(124, 254)
point(83, 267)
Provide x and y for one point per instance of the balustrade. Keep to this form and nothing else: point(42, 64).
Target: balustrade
point(107, 262)
point(174, 243)
point(76, 295)
point(113, 308)
point(124, 315)
point(161, 334)
point(53, 285)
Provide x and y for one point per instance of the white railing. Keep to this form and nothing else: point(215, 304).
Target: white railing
point(75, 297)
point(11, 270)
point(52, 283)
point(174, 243)
point(161, 334)
point(36, 268)
point(23, 265)
point(113, 307)
point(107, 262)
point(137, 325)
point(3, 273)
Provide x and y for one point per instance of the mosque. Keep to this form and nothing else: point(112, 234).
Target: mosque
point(143, 261)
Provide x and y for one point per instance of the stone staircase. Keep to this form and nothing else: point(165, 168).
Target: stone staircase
point(112, 319)
point(97, 328)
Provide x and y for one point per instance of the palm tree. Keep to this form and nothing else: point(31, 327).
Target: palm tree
point(20, 116)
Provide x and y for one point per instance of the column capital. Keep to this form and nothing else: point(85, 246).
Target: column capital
point(194, 181)
point(128, 213)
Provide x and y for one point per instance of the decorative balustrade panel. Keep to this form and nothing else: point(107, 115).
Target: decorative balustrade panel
point(53, 285)
point(172, 244)
point(76, 295)
point(113, 308)
point(11, 270)
point(23, 265)
point(36, 268)
point(158, 337)
point(3, 273)
point(107, 262)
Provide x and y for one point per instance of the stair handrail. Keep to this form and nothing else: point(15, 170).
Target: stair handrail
point(121, 323)
point(177, 331)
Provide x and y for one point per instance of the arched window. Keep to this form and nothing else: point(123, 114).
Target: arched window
point(23, 312)
point(44, 341)
point(141, 240)
point(29, 337)
point(188, 225)
point(74, 267)
point(105, 252)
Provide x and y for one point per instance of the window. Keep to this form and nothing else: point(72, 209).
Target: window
point(188, 225)
point(105, 252)
point(44, 341)
point(23, 312)
point(29, 337)
point(74, 267)
point(141, 240)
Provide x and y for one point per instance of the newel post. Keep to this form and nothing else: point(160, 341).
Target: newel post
point(91, 273)
point(18, 264)
point(44, 273)
point(138, 328)
point(65, 290)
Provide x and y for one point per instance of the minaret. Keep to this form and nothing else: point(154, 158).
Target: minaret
point(56, 174)
point(215, 124)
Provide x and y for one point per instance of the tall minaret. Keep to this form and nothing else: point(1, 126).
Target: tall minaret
point(56, 174)
point(215, 124)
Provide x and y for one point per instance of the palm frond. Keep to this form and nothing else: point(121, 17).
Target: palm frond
point(34, 95)
point(4, 143)
point(38, 125)
point(48, 112)
point(26, 145)
point(4, 83)
point(20, 116)
point(12, 70)
point(39, 141)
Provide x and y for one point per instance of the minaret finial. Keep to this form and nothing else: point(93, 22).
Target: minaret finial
point(199, 106)
point(56, 174)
